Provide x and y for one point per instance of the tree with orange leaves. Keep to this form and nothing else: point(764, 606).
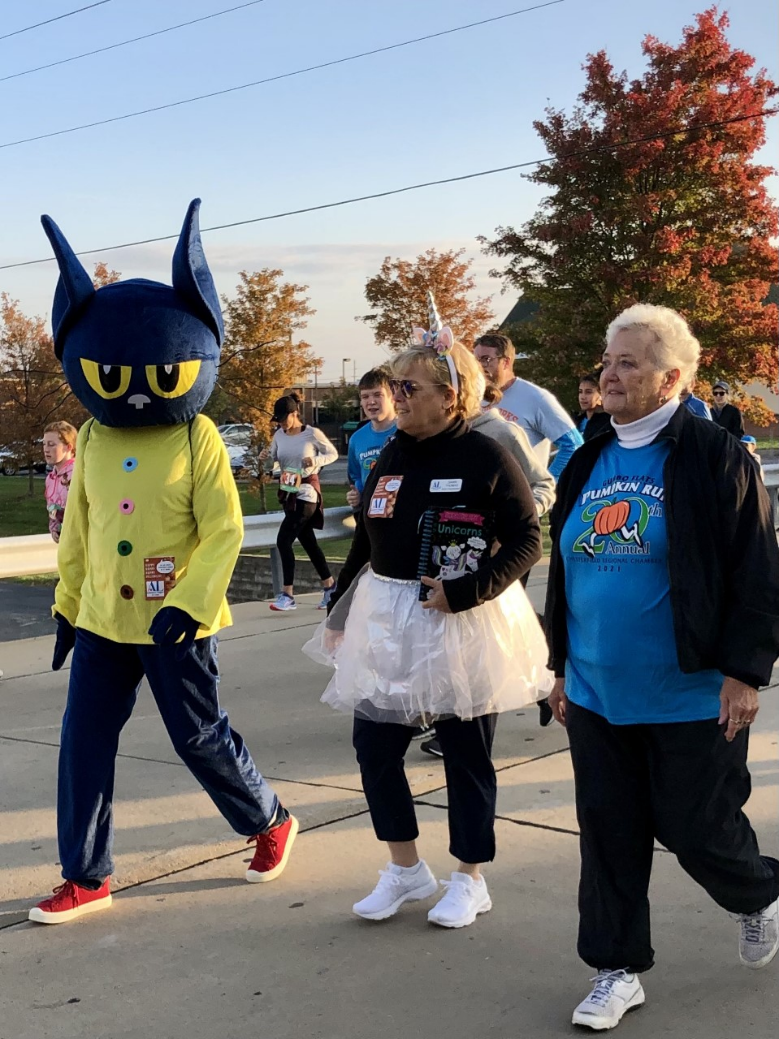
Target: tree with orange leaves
point(33, 389)
point(681, 218)
point(398, 298)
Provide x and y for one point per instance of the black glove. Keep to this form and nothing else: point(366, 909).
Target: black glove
point(172, 624)
point(66, 640)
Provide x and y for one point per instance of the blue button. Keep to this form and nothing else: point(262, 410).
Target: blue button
point(129, 464)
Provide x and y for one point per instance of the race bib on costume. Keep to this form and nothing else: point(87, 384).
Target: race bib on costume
point(384, 497)
point(159, 576)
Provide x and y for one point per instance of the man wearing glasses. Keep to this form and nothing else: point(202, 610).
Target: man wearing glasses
point(724, 414)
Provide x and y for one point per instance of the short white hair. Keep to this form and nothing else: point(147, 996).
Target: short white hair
point(673, 346)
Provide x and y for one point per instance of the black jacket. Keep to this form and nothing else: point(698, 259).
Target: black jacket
point(730, 418)
point(599, 423)
point(489, 480)
point(723, 559)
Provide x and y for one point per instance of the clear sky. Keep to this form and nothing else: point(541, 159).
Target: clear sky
point(436, 109)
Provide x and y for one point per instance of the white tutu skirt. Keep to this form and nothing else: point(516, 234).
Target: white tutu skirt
point(399, 663)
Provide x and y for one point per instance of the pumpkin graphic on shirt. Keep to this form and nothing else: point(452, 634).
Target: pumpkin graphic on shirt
point(615, 520)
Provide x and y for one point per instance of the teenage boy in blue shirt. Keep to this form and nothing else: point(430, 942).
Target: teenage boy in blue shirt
point(365, 445)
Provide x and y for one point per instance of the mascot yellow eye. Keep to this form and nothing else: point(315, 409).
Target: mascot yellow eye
point(172, 380)
point(107, 380)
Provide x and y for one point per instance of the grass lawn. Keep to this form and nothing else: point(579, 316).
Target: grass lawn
point(19, 514)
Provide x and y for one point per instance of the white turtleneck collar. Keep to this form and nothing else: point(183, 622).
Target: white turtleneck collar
point(644, 430)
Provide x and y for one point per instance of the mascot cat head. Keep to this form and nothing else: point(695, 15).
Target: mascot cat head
point(139, 353)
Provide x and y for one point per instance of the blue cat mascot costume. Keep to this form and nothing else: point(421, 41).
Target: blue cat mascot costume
point(151, 534)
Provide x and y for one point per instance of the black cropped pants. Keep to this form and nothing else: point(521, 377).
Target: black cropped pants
point(470, 782)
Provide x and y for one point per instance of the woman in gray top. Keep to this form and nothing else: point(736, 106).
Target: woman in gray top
point(301, 451)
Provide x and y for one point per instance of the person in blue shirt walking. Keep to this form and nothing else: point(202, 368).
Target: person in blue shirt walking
point(365, 445)
point(694, 404)
point(662, 617)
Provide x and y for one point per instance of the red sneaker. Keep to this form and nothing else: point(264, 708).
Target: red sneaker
point(272, 852)
point(70, 901)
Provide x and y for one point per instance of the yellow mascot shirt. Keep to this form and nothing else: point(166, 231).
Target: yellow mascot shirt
point(153, 519)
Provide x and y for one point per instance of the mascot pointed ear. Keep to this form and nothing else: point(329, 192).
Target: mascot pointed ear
point(191, 276)
point(74, 287)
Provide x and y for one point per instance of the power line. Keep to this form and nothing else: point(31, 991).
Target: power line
point(126, 43)
point(416, 187)
point(57, 18)
point(282, 75)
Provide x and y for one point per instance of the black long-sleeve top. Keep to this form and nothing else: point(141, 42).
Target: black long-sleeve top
point(730, 418)
point(491, 481)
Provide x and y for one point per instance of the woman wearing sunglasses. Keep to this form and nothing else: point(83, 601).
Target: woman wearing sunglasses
point(470, 649)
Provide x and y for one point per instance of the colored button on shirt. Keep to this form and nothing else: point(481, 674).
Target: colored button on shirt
point(126, 591)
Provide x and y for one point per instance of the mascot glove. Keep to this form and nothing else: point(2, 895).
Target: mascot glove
point(66, 640)
point(171, 625)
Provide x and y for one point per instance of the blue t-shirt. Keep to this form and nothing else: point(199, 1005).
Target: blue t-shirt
point(364, 449)
point(622, 661)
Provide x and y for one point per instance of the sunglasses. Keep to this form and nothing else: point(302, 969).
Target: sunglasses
point(405, 387)
point(719, 393)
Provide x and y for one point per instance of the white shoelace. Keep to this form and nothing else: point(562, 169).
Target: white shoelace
point(456, 890)
point(387, 880)
point(604, 984)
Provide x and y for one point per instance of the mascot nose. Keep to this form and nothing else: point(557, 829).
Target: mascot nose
point(138, 400)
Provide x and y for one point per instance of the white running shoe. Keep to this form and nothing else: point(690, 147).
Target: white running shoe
point(283, 602)
point(396, 886)
point(464, 900)
point(615, 992)
point(759, 941)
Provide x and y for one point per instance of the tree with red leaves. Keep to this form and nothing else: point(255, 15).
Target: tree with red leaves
point(681, 218)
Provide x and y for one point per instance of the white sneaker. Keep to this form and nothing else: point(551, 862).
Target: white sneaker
point(759, 941)
point(464, 900)
point(396, 886)
point(283, 602)
point(615, 992)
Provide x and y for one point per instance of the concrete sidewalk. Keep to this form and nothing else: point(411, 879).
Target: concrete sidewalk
point(190, 950)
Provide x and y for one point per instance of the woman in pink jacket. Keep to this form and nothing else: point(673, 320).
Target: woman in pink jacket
point(59, 451)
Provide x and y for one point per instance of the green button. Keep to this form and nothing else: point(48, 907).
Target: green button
point(124, 548)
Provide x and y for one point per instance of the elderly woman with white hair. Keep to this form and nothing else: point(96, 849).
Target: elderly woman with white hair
point(662, 617)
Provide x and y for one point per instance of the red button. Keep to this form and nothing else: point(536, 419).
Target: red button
point(126, 591)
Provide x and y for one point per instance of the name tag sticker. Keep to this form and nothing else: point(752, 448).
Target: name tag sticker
point(159, 575)
point(383, 500)
point(445, 486)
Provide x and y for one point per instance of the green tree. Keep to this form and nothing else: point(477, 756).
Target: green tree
point(684, 220)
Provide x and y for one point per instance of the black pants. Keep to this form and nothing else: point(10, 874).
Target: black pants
point(470, 782)
point(297, 524)
point(681, 784)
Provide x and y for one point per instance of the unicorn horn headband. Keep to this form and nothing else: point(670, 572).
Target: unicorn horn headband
point(439, 338)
